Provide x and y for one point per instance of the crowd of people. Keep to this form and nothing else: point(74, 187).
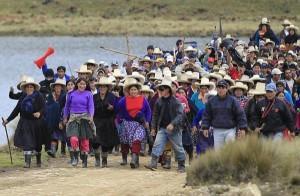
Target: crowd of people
point(183, 100)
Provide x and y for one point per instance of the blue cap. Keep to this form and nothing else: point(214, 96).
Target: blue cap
point(222, 83)
point(271, 87)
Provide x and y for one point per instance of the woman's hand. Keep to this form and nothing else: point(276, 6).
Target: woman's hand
point(4, 122)
point(37, 114)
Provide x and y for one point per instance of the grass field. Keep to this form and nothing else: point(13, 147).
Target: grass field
point(141, 17)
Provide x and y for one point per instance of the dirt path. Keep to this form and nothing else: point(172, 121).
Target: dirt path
point(58, 178)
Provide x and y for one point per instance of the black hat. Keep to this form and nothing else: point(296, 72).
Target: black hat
point(49, 73)
point(150, 47)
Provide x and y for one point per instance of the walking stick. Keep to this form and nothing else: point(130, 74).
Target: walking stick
point(11, 161)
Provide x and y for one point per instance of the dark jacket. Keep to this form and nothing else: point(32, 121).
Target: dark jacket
point(277, 120)
point(15, 96)
point(45, 87)
point(223, 113)
point(250, 110)
point(175, 112)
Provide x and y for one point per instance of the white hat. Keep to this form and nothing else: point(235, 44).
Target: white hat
point(246, 79)
point(58, 81)
point(22, 80)
point(252, 49)
point(146, 59)
point(295, 28)
point(224, 66)
point(131, 82)
point(158, 76)
point(257, 78)
point(165, 82)
point(137, 76)
point(91, 61)
point(193, 75)
point(206, 82)
point(151, 72)
point(102, 63)
point(260, 89)
point(104, 81)
point(146, 88)
point(183, 78)
point(167, 72)
point(286, 22)
point(29, 80)
point(292, 53)
point(214, 75)
point(265, 21)
point(239, 85)
point(83, 69)
point(221, 72)
point(118, 74)
point(170, 58)
point(190, 49)
point(157, 51)
point(276, 71)
point(228, 79)
point(268, 41)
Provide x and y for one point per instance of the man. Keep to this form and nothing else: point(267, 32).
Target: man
point(61, 72)
point(45, 84)
point(272, 115)
point(276, 76)
point(150, 50)
point(167, 120)
point(224, 114)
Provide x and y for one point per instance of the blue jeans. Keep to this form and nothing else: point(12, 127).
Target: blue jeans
point(175, 138)
point(222, 136)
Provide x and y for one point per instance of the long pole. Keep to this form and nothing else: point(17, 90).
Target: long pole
point(118, 52)
point(11, 161)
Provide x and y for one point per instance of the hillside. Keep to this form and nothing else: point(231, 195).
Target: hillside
point(141, 17)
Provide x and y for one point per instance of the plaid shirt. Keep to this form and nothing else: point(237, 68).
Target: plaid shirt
point(242, 101)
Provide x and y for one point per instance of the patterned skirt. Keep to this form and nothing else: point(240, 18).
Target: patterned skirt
point(130, 131)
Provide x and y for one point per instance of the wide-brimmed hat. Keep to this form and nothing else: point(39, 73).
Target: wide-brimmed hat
point(157, 51)
point(268, 41)
point(158, 76)
point(118, 74)
point(228, 79)
point(246, 79)
point(139, 77)
point(295, 28)
point(146, 88)
point(221, 72)
point(265, 21)
point(104, 81)
point(83, 69)
point(22, 80)
point(29, 80)
point(165, 82)
point(286, 22)
point(131, 82)
point(91, 61)
point(214, 75)
point(256, 78)
point(239, 85)
point(260, 89)
point(183, 78)
point(190, 49)
point(206, 82)
point(193, 75)
point(252, 49)
point(58, 81)
point(146, 59)
point(151, 72)
point(167, 72)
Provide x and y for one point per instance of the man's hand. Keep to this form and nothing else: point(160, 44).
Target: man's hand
point(241, 133)
point(205, 133)
point(110, 107)
point(257, 130)
point(194, 130)
point(153, 132)
point(170, 128)
point(11, 89)
point(37, 114)
point(4, 122)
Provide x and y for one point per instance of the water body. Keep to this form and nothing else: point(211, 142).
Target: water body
point(18, 53)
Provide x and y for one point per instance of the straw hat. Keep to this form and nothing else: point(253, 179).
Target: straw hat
point(239, 85)
point(259, 89)
point(286, 22)
point(104, 81)
point(157, 51)
point(268, 41)
point(206, 82)
point(295, 28)
point(183, 78)
point(214, 75)
point(190, 49)
point(22, 80)
point(146, 88)
point(140, 78)
point(167, 72)
point(158, 76)
point(146, 59)
point(151, 72)
point(29, 80)
point(265, 21)
point(83, 69)
point(252, 49)
point(91, 61)
point(221, 72)
point(228, 79)
point(246, 79)
point(118, 74)
point(131, 82)
point(58, 81)
point(255, 78)
point(165, 82)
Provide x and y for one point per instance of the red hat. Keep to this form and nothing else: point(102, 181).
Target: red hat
point(211, 59)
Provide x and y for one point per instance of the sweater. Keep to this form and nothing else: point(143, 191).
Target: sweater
point(79, 102)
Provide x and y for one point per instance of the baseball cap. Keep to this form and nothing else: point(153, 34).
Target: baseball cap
point(271, 87)
point(222, 83)
point(276, 71)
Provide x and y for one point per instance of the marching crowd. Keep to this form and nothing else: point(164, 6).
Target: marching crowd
point(177, 100)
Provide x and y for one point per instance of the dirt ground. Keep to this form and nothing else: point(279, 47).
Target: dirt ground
point(57, 177)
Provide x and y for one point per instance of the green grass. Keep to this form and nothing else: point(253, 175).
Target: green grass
point(250, 160)
point(17, 156)
point(141, 17)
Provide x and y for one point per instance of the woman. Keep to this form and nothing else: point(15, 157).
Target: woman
point(198, 97)
point(78, 117)
point(239, 91)
point(135, 114)
point(292, 36)
point(28, 135)
point(106, 133)
point(54, 107)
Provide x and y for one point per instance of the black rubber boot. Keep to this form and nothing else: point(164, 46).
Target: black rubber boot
point(181, 166)
point(38, 159)
point(71, 157)
point(97, 159)
point(104, 159)
point(124, 159)
point(191, 157)
point(153, 164)
point(63, 148)
point(75, 158)
point(134, 161)
point(27, 160)
point(167, 162)
point(84, 160)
